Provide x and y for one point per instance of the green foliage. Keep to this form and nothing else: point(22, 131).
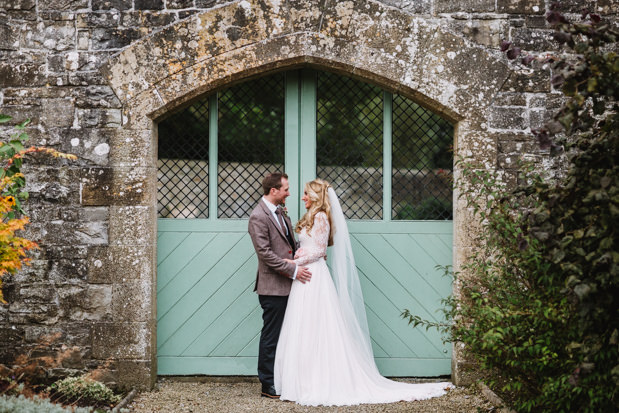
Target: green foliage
point(82, 390)
point(538, 303)
point(21, 404)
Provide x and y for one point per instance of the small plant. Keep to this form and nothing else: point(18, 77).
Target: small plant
point(82, 391)
point(21, 404)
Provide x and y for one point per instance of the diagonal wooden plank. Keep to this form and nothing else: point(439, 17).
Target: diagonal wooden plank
point(402, 280)
point(183, 255)
point(251, 349)
point(195, 271)
point(167, 243)
point(181, 316)
point(417, 342)
point(219, 329)
point(242, 334)
point(225, 309)
point(397, 297)
point(417, 259)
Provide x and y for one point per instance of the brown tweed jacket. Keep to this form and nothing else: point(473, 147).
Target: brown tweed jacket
point(274, 274)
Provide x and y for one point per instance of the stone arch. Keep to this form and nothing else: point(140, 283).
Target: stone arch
point(402, 53)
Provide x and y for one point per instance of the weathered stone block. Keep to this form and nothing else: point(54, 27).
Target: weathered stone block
point(102, 39)
point(18, 74)
point(85, 303)
point(483, 32)
point(132, 225)
point(121, 341)
point(142, 18)
point(533, 39)
point(133, 148)
point(179, 4)
point(48, 35)
point(63, 5)
point(95, 96)
point(508, 118)
point(132, 301)
point(112, 4)
point(510, 99)
point(9, 37)
point(57, 112)
point(467, 6)
point(110, 264)
point(117, 186)
point(103, 19)
point(99, 118)
point(306, 15)
point(521, 6)
point(416, 6)
point(536, 81)
point(148, 4)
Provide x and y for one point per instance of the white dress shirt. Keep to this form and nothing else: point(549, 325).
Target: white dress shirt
point(273, 208)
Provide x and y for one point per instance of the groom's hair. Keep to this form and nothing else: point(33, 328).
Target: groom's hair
point(273, 180)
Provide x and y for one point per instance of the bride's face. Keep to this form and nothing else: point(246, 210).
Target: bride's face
point(305, 198)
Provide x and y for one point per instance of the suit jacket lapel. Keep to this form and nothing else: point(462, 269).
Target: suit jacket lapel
point(266, 210)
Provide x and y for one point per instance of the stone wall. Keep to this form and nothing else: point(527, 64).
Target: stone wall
point(88, 302)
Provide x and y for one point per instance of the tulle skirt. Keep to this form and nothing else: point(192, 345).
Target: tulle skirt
point(318, 363)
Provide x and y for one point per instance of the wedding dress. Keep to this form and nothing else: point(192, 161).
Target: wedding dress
point(324, 356)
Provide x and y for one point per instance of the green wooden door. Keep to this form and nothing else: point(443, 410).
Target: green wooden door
point(212, 156)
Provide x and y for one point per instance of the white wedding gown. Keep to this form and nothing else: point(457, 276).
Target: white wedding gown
point(318, 362)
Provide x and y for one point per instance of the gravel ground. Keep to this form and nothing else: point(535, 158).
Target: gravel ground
point(243, 395)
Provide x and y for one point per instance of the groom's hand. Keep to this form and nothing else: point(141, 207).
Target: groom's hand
point(303, 274)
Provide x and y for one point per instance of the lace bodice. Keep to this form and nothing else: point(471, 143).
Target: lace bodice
point(314, 244)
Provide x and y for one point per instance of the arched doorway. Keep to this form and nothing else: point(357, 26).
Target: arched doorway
point(388, 158)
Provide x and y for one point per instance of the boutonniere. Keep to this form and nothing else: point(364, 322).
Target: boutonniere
point(283, 209)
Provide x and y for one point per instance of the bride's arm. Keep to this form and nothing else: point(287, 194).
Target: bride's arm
point(320, 235)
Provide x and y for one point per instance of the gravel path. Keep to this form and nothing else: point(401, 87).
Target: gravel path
point(243, 395)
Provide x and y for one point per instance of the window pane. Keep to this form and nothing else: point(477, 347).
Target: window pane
point(349, 147)
point(251, 142)
point(182, 175)
point(422, 163)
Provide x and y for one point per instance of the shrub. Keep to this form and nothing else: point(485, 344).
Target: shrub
point(83, 391)
point(21, 404)
point(538, 303)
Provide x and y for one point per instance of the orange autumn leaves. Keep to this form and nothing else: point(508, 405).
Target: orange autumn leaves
point(13, 248)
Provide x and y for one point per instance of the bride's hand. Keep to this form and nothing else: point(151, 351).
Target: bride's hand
point(299, 253)
point(289, 260)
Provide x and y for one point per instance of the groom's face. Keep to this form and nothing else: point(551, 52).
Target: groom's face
point(280, 195)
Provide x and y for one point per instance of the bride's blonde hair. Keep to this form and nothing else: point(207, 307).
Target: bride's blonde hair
point(316, 191)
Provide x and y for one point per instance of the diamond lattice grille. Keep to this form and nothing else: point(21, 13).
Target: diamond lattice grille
point(422, 163)
point(251, 142)
point(349, 149)
point(182, 175)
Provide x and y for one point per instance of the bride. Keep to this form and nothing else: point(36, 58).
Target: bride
point(324, 355)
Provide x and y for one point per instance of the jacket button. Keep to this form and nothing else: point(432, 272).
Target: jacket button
point(289, 252)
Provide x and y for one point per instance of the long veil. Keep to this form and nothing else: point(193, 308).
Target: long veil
point(346, 279)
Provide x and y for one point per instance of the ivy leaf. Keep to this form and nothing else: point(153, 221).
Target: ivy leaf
point(513, 53)
point(5, 118)
point(505, 45)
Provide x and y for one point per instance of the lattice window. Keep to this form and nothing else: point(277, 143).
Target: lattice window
point(182, 175)
point(422, 163)
point(349, 147)
point(251, 142)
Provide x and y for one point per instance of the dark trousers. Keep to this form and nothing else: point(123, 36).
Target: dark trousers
point(273, 310)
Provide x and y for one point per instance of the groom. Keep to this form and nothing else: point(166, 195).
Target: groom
point(272, 234)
